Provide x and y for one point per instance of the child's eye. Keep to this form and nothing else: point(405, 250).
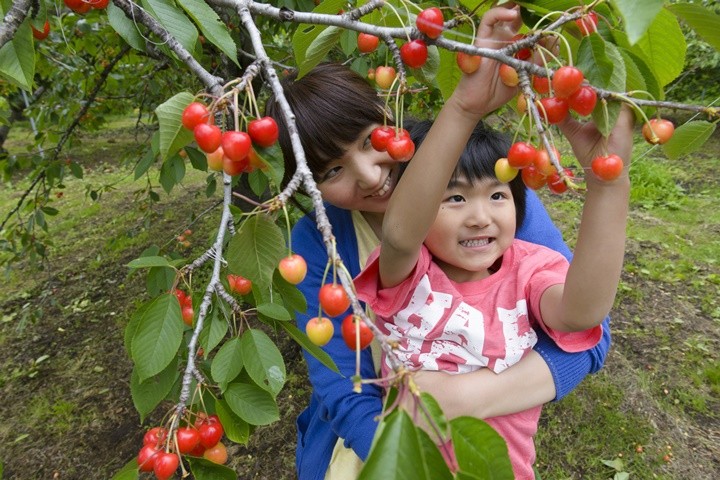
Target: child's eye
point(455, 198)
point(330, 173)
point(499, 196)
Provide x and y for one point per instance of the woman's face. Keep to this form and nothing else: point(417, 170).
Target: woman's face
point(362, 179)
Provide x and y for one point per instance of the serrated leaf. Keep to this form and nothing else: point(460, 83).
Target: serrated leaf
point(17, 58)
point(663, 47)
point(144, 164)
point(255, 250)
point(480, 449)
point(435, 411)
point(148, 394)
point(396, 452)
point(705, 22)
point(593, 60)
point(147, 262)
point(306, 34)
point(252, 404)
point(203, 469)
point(434, 463)
point(293, 298)
point(236, 429)
point(157, 338)
point(197, 158)
point(125, 27)
point(429, 70)
point(228, 362)
point(688, 138)
point(128, 472)
point(172, 135)
point(651, 83)
point(263, 360)
point(302, 339)
point(172, 171)
point(174, 21)
point(212, 27)
point(159, 280)
point(606, 113)
point(638, 15)
point(319, 48)
point(214, 330)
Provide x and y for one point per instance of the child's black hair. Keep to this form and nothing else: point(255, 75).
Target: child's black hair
point(477, 161)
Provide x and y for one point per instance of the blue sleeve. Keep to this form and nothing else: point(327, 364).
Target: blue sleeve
point(568, 369)
point(352, 416)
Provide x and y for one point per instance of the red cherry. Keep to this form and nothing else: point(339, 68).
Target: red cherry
point(187, 439)
point(333, 299)
point(41, 35)
point(523, 53)
point(413, 53)
point(187, 316)
point(566, 81)
point(468, 63)
point(544, 164)
point(587, 23)
point(349, 332)
point(146, 458)
point(521, 155)
point(658, 131)
point(541, 84)
point(208, 137)
point(556, 184)
point(99, 4)
point(165, 465)
point(401, 147)
point(554, 109)
point(217, 454)
point(236, 145)
point(239, 284)
point(607, 167)
point(583, 101)
point(232, 167)
point(210, 434)
point(155, 436)
point(508, 75)
point(384, 76)
point(532, 178)
point(263, 131)
point(195, 114)
point(380, 136)
point(367, 43)
point(430, 22)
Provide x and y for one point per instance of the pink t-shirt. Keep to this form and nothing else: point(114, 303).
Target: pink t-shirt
point(460, 327)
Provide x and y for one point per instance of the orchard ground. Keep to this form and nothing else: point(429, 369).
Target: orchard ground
point(652, 412)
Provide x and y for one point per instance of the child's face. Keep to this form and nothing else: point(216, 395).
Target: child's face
point(473, 228)
point(363, 179)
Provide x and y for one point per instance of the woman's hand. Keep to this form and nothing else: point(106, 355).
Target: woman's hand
point(482, 92)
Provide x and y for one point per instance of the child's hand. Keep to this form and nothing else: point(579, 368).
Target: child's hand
point(482, 91)
point(587, 142)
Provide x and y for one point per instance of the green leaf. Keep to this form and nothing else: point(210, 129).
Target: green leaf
point(263, 361)
point(159, 280)
point(255, 250)
point(593, 60)
point(228, 362)
point(688, 138)
point(174, 21)
point(212, 27)
point(173, 136)
point(302, 339)
point(125, 27)
point(172, 172)
point(133, 325)
point(306, 34)
point(663, 48)
point(148, 394)
point(651, 84)
point(480, 449)
point(147, 262)
point(606, 117)
point(145, 162)
point(252, 404)
point(705, 22)
point(214, 330)
point(203, 469)
point(158, 337)
point(197, 158)
point(638, 15)
point(429, 70)
point(17, 58)
point(236, 429)
point(319, 48)
point(274, 311)
point(396, 452)
point(294, 300)
point(128, 472)
point(434, 463)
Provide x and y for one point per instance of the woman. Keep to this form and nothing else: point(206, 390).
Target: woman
point(336, 110)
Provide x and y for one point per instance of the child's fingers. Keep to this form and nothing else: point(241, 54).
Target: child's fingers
point(498, 24)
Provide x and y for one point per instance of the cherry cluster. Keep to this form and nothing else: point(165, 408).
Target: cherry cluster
point(83, 6)
point(239, 284)
point(161, 450)
point(186, 307)
point(355, 333)
point(230, 151)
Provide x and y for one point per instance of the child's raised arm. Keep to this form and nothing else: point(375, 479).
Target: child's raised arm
point(591, 283)
point(417, 197)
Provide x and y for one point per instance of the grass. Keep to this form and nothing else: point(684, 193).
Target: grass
point(650, 413)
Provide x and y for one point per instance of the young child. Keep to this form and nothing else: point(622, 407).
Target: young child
point(455, 288)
